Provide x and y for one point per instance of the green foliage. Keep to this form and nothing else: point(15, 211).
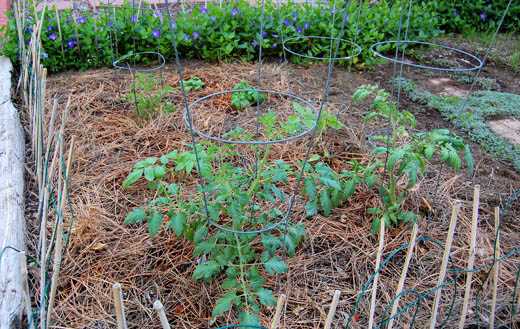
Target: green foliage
point(244, 96)
point(472, 118)
point(515, 61)
point(401, 156)
point(147, 96)
point(194, 83)
point(216, 32)
point(241, 198)
point(475, 15)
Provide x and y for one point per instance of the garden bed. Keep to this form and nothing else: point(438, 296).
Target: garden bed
point(339, 251)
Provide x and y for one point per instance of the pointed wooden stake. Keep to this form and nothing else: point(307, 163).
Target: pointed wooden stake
point(400, 285)
point(376, 276)
point(159, 308)
point(471, 257)
point(118, 306)
point(332, 310)
point(496, 269)
point(445, 258)
point(278, 313)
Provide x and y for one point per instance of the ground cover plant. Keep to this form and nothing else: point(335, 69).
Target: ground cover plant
point(81, 39)
point(472, 115)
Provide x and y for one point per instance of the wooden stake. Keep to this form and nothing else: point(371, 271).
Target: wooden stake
point(376, 276)
point(332, 310)
point(402, 279)
point(158, 306)
point(58, 248)
point(118, 306)
point(445, 258)
point(278, 313)
point(25, 286)
point(471, 257)
point(496, 269)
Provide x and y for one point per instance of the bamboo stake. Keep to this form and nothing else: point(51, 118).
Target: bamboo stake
point(332, 310)
point(376, 276)
point(496, 269)
point(58, 249)
point(445, 258)
point(44, 253)
point(471, 257)
point(402, 279)
point(118, 306)
point(158, 306)
point(278, 313)
point(58, 24)
point(25, 294)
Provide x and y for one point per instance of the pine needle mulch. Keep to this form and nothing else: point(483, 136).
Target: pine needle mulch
point(339, 252)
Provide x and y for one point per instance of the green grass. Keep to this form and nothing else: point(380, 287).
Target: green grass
point(471, 116)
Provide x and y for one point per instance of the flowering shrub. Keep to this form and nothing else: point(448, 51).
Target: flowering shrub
point(479, 15)
point(82, 39)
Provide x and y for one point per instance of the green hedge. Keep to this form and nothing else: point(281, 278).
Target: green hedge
point(216, 33)
point(476, 15)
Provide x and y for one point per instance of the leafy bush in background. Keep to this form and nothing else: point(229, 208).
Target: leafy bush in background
point(476, 15)
point(83, 39)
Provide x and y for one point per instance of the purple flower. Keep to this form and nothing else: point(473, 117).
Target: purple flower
point(81, 20)
point(235, 11)
point(203, 10)
point(483, 16)
point(264, 34)
point(50, 28)
point(53, 36)
point(274, 45)
point(286, 22)
point(71, 43)
point(186, 37)
point(156, 33)
point(133, 19)
point(306, 26)
point(195, 35)
point(299, 30)
point(213, 19)
point(157, 14)
point(254, 43)
point(345, 18)
point(110, 23)
point(28, 30)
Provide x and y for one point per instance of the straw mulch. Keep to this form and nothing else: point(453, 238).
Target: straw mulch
point(339, 252)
